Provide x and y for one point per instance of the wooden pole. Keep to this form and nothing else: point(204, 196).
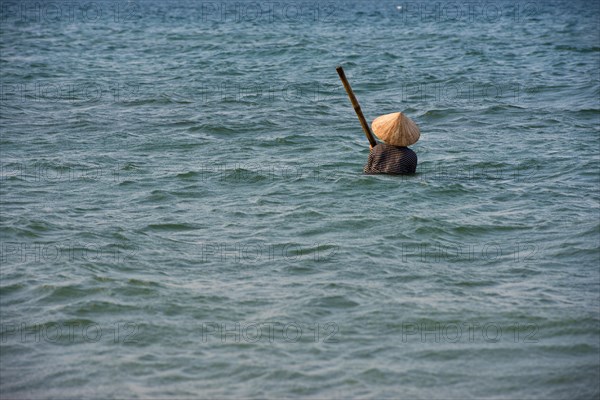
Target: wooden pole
point(356, 106)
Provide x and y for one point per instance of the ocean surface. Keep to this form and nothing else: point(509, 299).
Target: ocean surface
point(184, 213)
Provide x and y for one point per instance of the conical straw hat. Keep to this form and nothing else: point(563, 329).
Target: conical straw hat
point(396, 129)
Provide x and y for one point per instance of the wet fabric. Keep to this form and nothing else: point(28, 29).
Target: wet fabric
point(387, 159)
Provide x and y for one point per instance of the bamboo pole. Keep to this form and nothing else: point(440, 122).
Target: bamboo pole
point(356, 106)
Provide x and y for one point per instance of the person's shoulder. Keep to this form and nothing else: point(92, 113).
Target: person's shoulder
point(388, 147)
point(408, 150)
point(382, 147)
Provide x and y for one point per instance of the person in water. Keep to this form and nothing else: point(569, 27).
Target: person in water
point(393, 156)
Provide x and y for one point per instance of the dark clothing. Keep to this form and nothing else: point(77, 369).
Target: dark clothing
point(387, 159)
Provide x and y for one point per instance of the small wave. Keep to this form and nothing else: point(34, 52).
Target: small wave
point(157, 196)
point(171, 227)
point(334, 302)
point(562, 47)
point(188, 175)
point(61, 293)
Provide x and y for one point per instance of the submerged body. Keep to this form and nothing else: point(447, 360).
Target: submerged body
point(388, 159)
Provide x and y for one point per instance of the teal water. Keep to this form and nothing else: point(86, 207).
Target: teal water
point(184, 213)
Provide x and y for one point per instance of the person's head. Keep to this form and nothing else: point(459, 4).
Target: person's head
point(396, 129)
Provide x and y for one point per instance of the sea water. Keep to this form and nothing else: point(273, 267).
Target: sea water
point(184, 212)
